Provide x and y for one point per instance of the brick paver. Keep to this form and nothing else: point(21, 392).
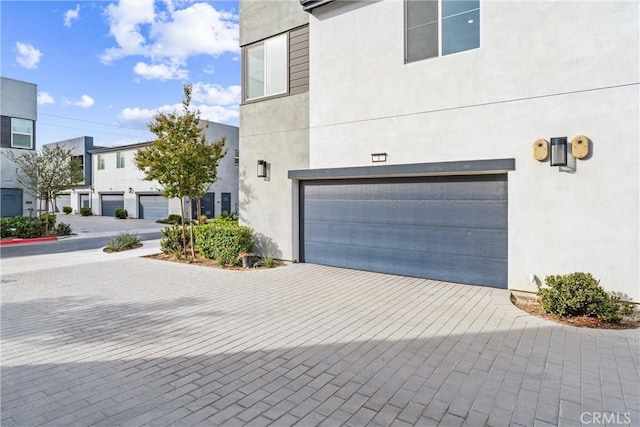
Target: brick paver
point(143, 342)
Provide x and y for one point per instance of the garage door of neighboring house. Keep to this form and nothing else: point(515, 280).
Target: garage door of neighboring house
point(111, 202)
point(62, 200)
point(153, 207)
point(11, 202)
point(84, 201)
point(445, 228)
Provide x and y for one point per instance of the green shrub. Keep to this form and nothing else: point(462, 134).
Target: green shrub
point(172, 219)
point(6, 227)
point(223, 241)
point(27, 227)
point(123, 241)
point(580, 294)
point(268, 262)
point(202, 220)
point(63, 229)
point(47, 221)
point(171, 242)
point(86, 211)
point(121, 213)
point(67, 209)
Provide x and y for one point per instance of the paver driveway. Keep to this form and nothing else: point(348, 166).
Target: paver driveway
point(139, 341)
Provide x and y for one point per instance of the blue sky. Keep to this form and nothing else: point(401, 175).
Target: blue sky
point(104, 68)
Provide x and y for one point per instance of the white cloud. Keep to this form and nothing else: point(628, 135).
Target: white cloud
point(44, 98)
point(214, 102)
point(28, 56)
point(169, 37)
point(125, 20)
point(71, 15)
point(85, 101)
point(160, 71)
point(216, 94)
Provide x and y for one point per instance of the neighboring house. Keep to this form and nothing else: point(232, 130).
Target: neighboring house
point(118, 183)
point(80, 195)
point(414, 150)
point(18, 115)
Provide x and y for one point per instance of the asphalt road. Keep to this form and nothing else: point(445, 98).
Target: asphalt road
point(65, 245)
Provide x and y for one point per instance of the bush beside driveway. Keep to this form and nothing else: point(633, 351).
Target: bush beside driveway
point(138, 341)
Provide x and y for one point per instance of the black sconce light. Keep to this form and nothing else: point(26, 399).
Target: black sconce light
point(130, 190)
point(378, 157)
point(262, 168)
point(559, 151)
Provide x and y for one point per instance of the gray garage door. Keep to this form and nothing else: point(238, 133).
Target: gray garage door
point(111, 202)
point(444, 228)
point(11, 202)
point(153, 207)
point(62, 200)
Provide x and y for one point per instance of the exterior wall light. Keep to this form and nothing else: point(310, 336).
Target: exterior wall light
point(131, 190)
point(558, 151)
point(262, 168)
point(378, 157)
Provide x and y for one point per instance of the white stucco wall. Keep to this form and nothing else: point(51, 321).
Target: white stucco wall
point(544, 69)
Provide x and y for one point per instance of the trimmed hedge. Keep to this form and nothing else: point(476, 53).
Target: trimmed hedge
point(223, 240)
point(86, 211)
point(121, 213)
point(580, 294)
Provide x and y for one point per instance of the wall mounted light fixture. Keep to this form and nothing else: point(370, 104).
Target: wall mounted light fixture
point(558, 151)
point(131, 190)
point(262, 168)
point(378, 157)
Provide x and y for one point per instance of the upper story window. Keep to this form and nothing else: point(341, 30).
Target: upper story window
point(266, 68)
point(120, 160)
point(101, 162)
point(440, 27)
point(236, 157)
point(21, 133)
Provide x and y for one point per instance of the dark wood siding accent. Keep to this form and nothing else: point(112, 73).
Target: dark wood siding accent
point(5, 132)
point(299, 60)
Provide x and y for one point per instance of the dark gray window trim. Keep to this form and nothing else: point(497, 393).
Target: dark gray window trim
point(413, 169)
point(309, 5)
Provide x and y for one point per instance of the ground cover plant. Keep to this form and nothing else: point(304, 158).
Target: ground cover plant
point(123, 241)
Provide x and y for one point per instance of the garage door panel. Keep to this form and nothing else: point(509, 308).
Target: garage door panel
point(452, 268)
point(440, 188)
point(111, 202)
point(458, 241)
point(418, 213)
point(153, 207)
point(444, 228)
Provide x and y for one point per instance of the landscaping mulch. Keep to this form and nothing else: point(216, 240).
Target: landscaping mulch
point(205, 262)
point(531, 304)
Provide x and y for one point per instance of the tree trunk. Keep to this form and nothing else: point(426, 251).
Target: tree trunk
point(184, 231)
point(193, 252)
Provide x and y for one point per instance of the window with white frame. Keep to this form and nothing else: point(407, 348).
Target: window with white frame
point(21, 133)
point(120, 160)
point(266, 68)
point(440, 27)
point(101, 162)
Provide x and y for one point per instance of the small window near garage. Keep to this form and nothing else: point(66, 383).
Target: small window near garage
point(236, 158)
point(120, 162)
point(21, 133)
point(101, 162)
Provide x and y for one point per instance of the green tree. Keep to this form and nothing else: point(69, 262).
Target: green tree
point(48, 172)
point(180, 159)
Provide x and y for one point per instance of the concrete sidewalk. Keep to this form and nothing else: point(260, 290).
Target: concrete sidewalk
point(136, 341)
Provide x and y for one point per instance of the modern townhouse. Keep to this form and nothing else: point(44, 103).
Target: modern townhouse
point(118, 183)
point(18, 116)
point(483, 142)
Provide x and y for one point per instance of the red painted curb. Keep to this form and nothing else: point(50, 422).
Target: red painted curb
point(24, 241)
